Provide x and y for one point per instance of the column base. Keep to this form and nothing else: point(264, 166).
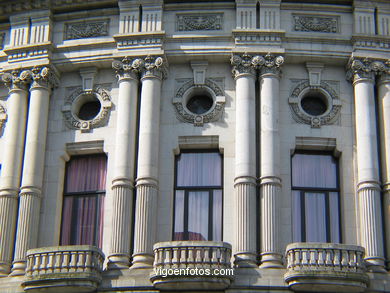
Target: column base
point(245, 260)
point(118, 262)
point(18, 268)
point(5, 268)
point(271, 260)
point(142, 261)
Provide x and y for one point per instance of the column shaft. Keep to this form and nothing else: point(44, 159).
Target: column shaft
point(270, 182)
point(10, 174)
point(33, 166)
point(122, 185)
point(245, 180)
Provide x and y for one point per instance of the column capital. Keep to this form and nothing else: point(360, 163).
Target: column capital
point(271, 65)
point(154, 67)
point(127, 68)
point(366, 69)
point(43, 77)
point(17, 80)
point(244, 65)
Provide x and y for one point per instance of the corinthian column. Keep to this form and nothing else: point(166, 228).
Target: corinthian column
point(153, 71)
point(12, 165)
point(123, 182)
point(368, 188)
point(270, 182)
point(244, 73)
point(33, 165)
point(384, 112)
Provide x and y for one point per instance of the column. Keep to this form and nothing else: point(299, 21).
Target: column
point(33, 166)
point(368, 187)
point(244, 73)
point(15, 129)
point(153, 71)
point(384, 112)
point(123, 182)
point(270, 181)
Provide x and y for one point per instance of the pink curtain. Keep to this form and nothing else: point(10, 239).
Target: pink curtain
point(82, 217)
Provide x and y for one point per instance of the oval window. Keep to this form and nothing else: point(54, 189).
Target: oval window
point(89, 110)
point(199, 104)
point(314, 104)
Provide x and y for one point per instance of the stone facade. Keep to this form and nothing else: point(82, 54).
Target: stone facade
point(256, 81)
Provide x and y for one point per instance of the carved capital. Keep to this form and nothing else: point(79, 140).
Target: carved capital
point(43, 77)
point(17, 79)
point(366, 69)
point(244, 65)
point(271, 65)
point(154, 67)
point(128, 68)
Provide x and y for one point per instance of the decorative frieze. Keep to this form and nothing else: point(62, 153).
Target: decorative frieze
point(309, 23)
point(199, 22)
point(86, 29)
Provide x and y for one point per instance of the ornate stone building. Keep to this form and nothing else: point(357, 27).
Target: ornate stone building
point(152, 145)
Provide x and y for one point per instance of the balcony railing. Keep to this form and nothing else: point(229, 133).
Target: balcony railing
point(195, 265)
point(63, 269)
point(325, 267)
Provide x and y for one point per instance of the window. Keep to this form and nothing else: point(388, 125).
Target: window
point(82, 215)
point(198, 196)
point(315, 192)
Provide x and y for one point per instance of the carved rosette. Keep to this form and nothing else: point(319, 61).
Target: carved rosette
point(74, 122)
point(127, 68)
point(247, 64)
point(359, 69)
point(43, 77)
point(17, 79)
point(154, 67)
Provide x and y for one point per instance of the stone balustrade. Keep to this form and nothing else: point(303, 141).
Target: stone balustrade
point(325, 267)
point(65, 267)
point(196, 265)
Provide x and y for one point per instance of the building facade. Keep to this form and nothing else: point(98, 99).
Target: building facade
point(155, 145)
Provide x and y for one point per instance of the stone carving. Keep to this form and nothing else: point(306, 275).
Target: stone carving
point(367, 68)
point(43, 77)
point(3, 119)
point(127, 68)
point(86, 29)
point(17, 79)
point(214, 114)
point(333, 102)
point(74, 122)
point(247, 64)
point(155, 66)
point(308, 23)
point(199, 22)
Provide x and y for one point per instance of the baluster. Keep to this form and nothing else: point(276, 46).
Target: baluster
point(66, 261)
point(183, 256)
point(175, 257)
point(198, 255)
point(29, 266)
point(57, 262)
point(329, 258)
point(191, 260)
point(344, 259)
point(81, 261)
point(336, 259)
point(298, 257)
point(214, 258)
point(88, 261)
point(73, 263)
point(50, 266)
point(45, 259)
point(321, 260)
point(312, 259)
point(305, 257)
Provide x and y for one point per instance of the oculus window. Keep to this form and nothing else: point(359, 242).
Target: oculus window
point(315, 197)
point(198, 196)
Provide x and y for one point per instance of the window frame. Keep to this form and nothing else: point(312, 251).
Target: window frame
point(188, 189)
point(325, 191)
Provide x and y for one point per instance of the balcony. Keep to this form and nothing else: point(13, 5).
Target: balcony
point(75, 268)
point(194, 265)
point(325, 267)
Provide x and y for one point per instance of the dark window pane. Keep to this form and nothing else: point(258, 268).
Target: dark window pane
point(199, 104)
point(89, 110)
point(313, 105)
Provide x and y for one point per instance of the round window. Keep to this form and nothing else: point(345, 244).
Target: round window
point(314, 104)
point(89, 110)
point(199, 104)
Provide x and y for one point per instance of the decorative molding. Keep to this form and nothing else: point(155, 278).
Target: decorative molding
point(271, 64)
point(314, 23)
point(358, 69)
point(247, 64)
point(154, 66)
point(245, 37)
point(127, 67)
point(333, 102)
point(85, 147)
point(3, 119)
point(86, 29)
point(70, 117)
point(199, 22)
point(43, 77)
point(183, 94)
point(17, 79)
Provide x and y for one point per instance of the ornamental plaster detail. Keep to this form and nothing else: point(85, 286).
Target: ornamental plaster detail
point(367, 68)
point(74, 122)
point(43, 77)
point(86, 29)
point(309, 23)
point(248, 64)
point(333, 102)
point(199, 22)
point(17, 79)
point(214, 114)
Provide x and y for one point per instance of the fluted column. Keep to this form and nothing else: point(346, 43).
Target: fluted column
point(153, 71)
point(244, 72)
point(33, 166)
point(368, 187)
point(123, 182)
point(270, 182)
point(12, 163)
point(384, 122)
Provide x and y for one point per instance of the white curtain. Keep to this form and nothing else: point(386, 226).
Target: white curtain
point(198, 215)
point(217, 215)
point(315, 219)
